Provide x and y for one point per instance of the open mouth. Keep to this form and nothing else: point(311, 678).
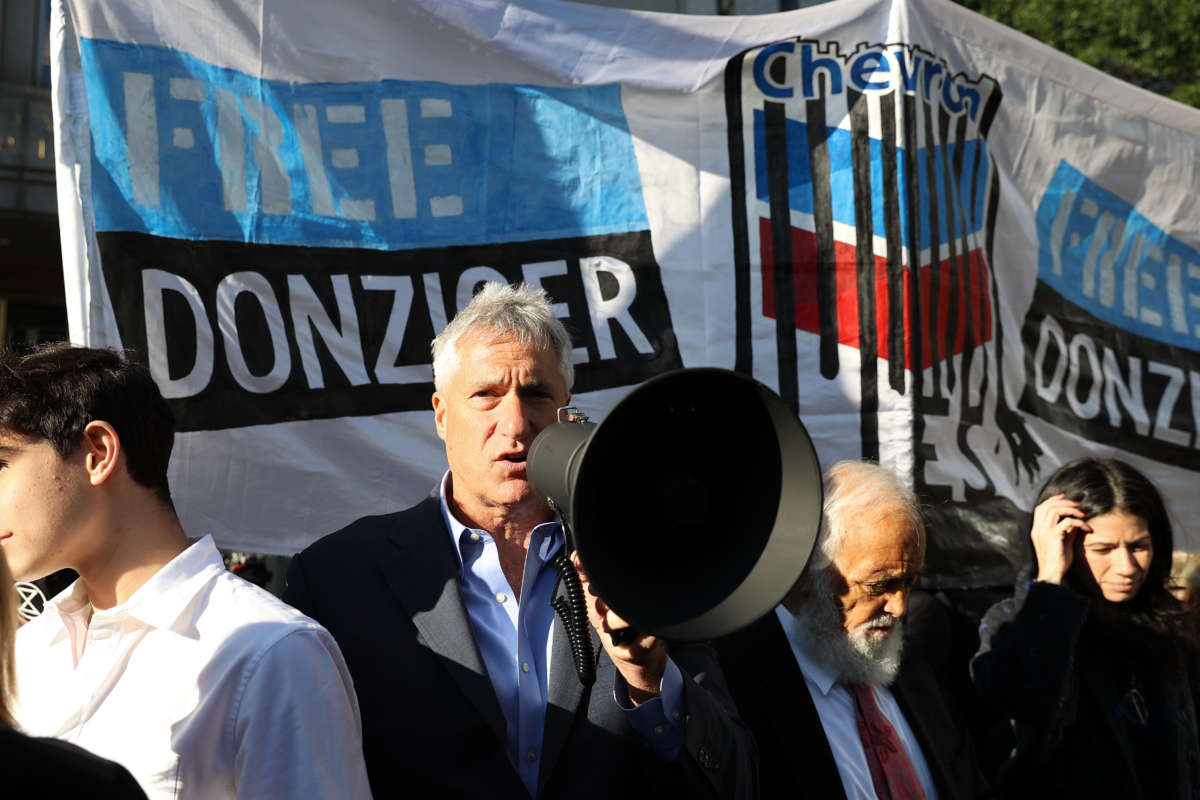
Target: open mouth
point(513, 463)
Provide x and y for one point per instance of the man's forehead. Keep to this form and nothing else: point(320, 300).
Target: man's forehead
point(894, 546)
point(491, 338)
point(896, 570)
point(490, 357)
point(11, 441)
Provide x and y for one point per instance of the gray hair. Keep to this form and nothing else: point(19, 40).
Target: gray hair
point(518, 311)
point(857, 489)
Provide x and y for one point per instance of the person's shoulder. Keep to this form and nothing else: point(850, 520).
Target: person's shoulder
point(49, 767)
point(361, 536)
point(238, 601)
point(38, 753)
point(240, 625)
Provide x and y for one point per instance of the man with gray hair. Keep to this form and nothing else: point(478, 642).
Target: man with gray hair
point(826, 675)
point(464, 676)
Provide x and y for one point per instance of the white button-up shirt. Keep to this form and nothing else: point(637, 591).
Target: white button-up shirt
point(201, 684)
point(835, 707)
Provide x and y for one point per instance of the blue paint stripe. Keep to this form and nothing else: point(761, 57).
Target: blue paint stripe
point(842, 182)
point(497, 162)
point(1101, 253)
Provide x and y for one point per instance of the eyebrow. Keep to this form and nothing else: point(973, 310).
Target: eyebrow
point(489, 381)
point(1113, 542)
point(882, 576)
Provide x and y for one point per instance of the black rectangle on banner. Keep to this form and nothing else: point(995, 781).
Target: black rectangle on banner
point(250, 334)
point(1108, 385)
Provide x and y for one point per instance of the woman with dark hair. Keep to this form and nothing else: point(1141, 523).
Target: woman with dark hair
point(1093, 659)
point(46, 768)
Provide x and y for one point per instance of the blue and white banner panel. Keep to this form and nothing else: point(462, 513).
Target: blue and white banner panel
point(948, 247)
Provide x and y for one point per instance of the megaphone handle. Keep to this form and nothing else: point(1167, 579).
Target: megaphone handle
point(572, 610)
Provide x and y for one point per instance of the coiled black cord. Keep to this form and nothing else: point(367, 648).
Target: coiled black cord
point(572, 610)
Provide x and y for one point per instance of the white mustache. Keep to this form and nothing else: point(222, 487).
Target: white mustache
point(880, 620)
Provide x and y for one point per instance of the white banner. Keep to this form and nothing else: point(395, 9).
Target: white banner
point(949, 247)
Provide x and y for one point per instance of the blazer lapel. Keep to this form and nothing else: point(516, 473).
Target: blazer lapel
point(564, 697)
point(792, 713)
point(425, 575)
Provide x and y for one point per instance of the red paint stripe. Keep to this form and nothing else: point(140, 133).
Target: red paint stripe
point(805, 269)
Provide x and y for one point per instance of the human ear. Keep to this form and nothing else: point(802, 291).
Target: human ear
point(102, 449)
point(439, 414)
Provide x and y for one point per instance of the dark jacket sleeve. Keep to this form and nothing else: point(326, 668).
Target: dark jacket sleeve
point(1025, 666)
point(717, 744)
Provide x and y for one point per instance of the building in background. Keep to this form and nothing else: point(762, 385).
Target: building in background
point(31, 281)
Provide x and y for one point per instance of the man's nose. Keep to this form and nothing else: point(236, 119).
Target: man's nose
point(897, 604)
point(515, 417)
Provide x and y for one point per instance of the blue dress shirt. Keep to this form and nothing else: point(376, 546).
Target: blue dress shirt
point(515, 642)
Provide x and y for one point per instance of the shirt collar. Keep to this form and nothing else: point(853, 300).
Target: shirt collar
point(160, 601)
point(456, 528)
point(72, 607)
point(813, 671)
point(544, 541)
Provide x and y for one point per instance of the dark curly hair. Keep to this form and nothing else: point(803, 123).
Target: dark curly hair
point(53, 392)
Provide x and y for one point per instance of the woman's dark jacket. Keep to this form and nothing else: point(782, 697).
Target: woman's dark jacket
point(1101, 707)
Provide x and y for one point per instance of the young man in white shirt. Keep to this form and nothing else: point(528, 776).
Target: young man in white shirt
point(201, 684)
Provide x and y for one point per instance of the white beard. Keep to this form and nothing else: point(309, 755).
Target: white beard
point(855, 657)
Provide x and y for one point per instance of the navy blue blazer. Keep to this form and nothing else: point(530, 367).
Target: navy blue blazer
point(388, 589)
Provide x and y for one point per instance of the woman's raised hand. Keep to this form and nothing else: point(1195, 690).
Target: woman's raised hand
point(1055, 523)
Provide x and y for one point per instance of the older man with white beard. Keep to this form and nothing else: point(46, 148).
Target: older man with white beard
point(837, 709)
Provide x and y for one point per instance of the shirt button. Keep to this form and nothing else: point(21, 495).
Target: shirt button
point(475, 537)
point(524, 668)
point(531, 756)
point(501, 597)
point(658, 730)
